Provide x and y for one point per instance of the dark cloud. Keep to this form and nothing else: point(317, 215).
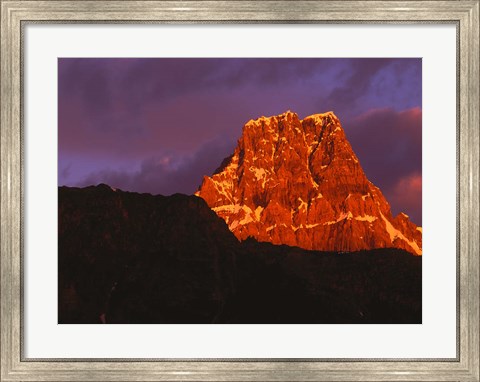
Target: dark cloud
point(148, 124)
point(101, 83)
point(133, 107)
point(389, 146)
point(383, 82)
point(166, 174)
point(358, 80)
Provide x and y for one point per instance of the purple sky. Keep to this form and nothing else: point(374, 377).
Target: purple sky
point(158, 125)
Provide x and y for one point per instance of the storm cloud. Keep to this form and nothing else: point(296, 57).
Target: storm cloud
point(160, 125)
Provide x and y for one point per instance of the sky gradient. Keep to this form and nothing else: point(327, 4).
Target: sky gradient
point(159, 125)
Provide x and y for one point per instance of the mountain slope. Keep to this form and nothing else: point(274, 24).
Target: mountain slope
point(298, 182)
point(136, 258)
point(141, 258)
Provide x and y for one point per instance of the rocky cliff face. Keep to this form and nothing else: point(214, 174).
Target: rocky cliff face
point(298, 182)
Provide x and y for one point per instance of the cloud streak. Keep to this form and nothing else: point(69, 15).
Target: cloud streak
point(166, 174)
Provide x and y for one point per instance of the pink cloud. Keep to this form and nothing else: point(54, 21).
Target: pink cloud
point(389, 146)
point(407, 193)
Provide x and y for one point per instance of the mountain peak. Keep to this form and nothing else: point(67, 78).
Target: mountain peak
point(298, 182)
point(268, 120)
point(323, 115)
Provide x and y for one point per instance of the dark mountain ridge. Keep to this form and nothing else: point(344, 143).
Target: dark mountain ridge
point(137, 258)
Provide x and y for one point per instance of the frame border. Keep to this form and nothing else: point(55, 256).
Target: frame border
point(14, 15)
point(23, 25)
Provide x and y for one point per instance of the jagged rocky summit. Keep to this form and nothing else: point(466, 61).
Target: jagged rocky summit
point(298, 182)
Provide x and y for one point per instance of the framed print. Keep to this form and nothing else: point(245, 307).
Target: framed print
point(240, 191)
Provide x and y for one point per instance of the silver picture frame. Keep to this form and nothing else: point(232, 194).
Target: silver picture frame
point(15, 15)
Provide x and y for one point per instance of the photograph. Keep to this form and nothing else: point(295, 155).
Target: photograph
point(239, 190)
point(269, 191)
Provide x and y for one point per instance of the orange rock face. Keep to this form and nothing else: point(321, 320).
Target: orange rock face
point(298, 182)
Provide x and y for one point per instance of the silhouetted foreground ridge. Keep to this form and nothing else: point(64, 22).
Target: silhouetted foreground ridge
point(136, 258)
